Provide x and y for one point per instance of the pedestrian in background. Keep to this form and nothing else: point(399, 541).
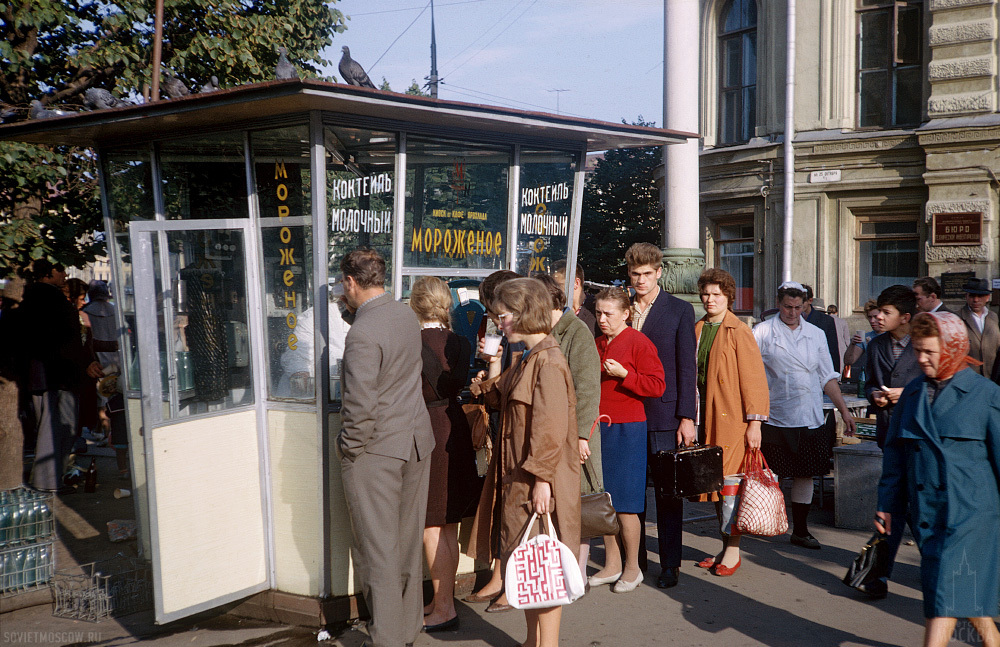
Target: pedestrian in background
point(929, 295)
point(843, 334)
point(824, 322)
point(577, 345)
point(385, 445)
point(630, 372)
point(982, 325)
point(583, 303)
point(536, 466)
point(859, 342)
point(733, 391)
point(454, 485)
point(942, 459)
point(796, 441)
point(668, 322)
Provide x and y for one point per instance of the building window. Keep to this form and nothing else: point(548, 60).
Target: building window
point(888, 254)
point(889, 62)
point(735, 254)
point(737, 71)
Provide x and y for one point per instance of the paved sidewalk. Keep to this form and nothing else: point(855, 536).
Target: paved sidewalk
point(783, 596)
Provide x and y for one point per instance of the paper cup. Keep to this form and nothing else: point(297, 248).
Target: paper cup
point(491, 344)
point(122, 493)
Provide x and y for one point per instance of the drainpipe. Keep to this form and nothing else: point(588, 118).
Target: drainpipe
point(786, 256)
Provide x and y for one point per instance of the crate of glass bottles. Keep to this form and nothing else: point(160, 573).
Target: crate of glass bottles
point(26, 567)
point(114, 587)
point(26, 516)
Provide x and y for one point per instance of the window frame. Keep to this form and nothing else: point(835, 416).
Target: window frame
point(741, 220)
point(892, 64)
point(721, 37)
point(862, 217)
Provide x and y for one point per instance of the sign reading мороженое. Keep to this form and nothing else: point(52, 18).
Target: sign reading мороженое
point(957, 228)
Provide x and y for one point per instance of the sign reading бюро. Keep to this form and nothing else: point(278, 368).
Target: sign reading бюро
point(957, 228)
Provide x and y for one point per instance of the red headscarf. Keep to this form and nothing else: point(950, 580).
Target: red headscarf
point(954, 344)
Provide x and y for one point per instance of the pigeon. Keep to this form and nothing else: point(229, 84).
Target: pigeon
point(101, 99)
point(352, 72)
point(284, 69)
point(38, 111)
point(175, 88)
point(7, 113)
point(211, 86)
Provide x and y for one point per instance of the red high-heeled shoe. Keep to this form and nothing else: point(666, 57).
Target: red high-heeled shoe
point(708, 562)
point(726, 571)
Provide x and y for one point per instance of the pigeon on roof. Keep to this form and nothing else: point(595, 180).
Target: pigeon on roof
point(38, 111)
point(211, 86)
point(284, 69)
point(101, 99)
point(352, 72)
point(175, 88)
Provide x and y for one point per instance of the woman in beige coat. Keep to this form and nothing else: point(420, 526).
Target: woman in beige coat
point(733, 389)
point(537, 464)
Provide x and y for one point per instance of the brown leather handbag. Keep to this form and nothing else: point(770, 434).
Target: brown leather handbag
point(597, 513)
point(479, 424)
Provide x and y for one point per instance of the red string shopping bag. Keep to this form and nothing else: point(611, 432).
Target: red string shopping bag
point(542, 571)
point(762, 506)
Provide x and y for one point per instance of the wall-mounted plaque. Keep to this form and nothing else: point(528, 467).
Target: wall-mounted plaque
point(957, 228)
point(952, 282)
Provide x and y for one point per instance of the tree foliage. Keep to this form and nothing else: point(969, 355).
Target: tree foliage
point(620, 208)
point(54, 50)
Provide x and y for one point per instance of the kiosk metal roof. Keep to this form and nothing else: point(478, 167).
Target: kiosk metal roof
point(243, 105)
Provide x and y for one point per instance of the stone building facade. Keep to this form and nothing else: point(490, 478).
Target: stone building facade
point(897, 144)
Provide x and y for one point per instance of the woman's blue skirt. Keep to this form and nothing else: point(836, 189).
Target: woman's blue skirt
point(623, 460)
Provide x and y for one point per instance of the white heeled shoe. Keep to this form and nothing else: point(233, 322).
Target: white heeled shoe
point(624, 587)
point(598, 581)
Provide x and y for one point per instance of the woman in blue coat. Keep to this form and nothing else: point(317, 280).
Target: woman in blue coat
point(942, 456)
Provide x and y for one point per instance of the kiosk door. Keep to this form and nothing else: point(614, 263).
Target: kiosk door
point(204, 455)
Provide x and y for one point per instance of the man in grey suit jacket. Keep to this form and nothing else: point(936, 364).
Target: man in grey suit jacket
point(385, 445)
point(982, 325)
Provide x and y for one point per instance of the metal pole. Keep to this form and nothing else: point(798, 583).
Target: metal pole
point(434, 59)
point(157, 49)
point(789, 150)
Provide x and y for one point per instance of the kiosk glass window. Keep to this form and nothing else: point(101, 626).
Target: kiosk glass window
point(360, 196)
point(456, 205)
point(204, 325)
point(283, 182)
point(544, 205)
point(128, 180)
point(204, 177)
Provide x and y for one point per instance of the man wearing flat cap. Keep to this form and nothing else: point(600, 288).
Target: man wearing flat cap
point(984, 332)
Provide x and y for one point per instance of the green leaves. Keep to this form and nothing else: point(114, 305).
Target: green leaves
point(53, 50)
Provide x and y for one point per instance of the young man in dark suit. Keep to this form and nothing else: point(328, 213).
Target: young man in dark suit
point(669, 324)
point(891, 366)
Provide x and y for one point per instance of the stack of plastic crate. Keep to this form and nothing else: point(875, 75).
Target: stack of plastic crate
point(27, 553)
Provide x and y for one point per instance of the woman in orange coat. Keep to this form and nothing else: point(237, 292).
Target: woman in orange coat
point(733, 389)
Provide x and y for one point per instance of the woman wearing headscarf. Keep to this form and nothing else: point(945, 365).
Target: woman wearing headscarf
point(942, 457)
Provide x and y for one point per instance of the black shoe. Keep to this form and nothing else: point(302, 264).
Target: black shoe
point(668, 578)
point(806, 541)
point(876, 589)
point(442, 626)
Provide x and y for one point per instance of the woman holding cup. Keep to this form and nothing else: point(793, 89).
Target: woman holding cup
point(536, 466)
point(630, 372)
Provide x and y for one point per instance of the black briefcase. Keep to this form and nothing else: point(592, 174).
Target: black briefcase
point(689, 471)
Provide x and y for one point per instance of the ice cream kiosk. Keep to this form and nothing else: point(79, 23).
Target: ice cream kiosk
point(227, 215)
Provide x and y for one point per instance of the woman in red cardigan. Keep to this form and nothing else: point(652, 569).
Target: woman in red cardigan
point(630, 371)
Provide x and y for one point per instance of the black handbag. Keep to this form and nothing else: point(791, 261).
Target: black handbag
point(689, 471)
point(871, 563)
